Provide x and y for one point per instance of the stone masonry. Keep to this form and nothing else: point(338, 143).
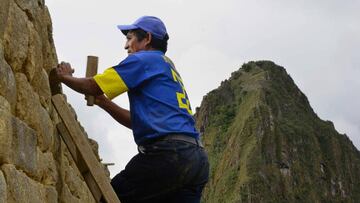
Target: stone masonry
point(35, 165)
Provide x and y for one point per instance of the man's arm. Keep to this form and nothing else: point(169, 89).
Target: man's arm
point(82, 85)
point(90, 87)
point(119, 114)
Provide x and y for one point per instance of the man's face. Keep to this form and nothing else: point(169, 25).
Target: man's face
point(133, 45)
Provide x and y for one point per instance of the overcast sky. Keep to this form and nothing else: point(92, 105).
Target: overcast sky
point(318, 42)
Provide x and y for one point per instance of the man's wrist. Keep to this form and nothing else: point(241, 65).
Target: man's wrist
point(101, 102)
point(64, 78)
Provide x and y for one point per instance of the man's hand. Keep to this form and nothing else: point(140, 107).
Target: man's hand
point(64, 69)
point(82, 85)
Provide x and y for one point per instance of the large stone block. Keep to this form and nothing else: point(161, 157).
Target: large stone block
point(71, 176)
point(20, 187)
point(3, 190)
point(47, 171)
point(24, 141)
point(68, 196)
point(7, 81)
point(16, 38)
point(34, 10)
point(47, 130)
point(42, 88)
point(37, 27)
point(29, 109)
point(51, 194)
point(23, 45)
point(27, 101)
point(39, 16)
point(4, 105)
point(49, 52)
point(34, 61)
point(30, 7)
point(74, 187)
point(5, 131)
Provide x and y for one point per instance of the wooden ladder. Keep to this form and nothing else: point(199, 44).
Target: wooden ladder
point(78, 145)
point(82, 153)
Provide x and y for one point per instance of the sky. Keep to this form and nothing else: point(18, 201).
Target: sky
point(318, 42)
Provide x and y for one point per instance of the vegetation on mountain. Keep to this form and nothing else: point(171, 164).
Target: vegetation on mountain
point(266, 144)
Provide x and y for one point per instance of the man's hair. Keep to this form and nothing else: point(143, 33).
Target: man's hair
point(159, 44)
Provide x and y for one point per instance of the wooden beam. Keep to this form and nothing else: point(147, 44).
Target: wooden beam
point(91, 70)
point(93, 172)
point(80, 163)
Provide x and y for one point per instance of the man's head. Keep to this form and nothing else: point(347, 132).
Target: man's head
point(146, 33)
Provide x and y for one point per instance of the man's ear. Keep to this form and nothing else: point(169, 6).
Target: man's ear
point(148, 39)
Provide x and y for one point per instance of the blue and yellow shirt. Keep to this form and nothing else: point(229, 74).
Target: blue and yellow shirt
point(159, 104)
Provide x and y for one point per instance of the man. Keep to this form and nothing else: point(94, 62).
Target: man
point(171, 165)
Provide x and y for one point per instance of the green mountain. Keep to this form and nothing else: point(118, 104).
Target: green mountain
point(266, 144)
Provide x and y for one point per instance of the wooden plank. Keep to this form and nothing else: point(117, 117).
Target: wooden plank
point(84, 150)
point(80, 163)
point(68, 141)
point(94, 188)
point(91, 70)
point(84, 170)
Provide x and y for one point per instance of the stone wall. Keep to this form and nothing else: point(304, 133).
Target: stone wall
point(35, 165)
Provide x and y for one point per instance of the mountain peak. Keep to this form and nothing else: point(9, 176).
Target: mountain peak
point(266, 144)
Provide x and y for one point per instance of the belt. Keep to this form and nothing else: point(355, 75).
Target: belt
point(184, 138)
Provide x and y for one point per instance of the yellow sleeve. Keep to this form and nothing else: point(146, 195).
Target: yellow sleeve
point(111, 83)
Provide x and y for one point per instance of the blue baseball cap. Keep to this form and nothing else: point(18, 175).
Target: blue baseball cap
point(147, 23)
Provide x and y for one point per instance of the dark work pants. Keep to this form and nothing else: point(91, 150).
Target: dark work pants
point(164, 171)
